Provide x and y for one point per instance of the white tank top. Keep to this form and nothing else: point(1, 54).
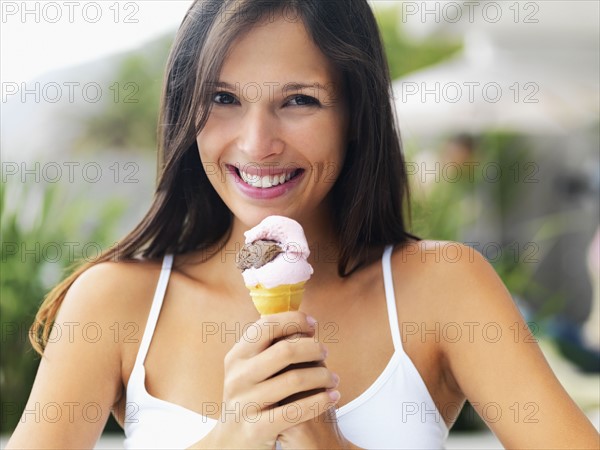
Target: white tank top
point(395, 412)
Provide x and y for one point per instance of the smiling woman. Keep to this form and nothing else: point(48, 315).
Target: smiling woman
point(284, 108)
point(284, 135)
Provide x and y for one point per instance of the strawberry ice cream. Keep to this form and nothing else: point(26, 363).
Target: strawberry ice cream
point(275, 254)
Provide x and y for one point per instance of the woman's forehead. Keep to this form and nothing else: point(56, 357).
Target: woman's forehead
point(277, 51)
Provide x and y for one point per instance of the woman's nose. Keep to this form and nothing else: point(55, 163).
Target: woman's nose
point(259, 135)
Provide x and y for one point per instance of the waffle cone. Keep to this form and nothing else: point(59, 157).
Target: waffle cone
point(286, 297)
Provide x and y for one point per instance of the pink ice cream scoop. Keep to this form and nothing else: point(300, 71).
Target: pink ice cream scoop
point(275, 253)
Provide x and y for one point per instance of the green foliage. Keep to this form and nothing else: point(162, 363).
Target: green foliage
point(435, 212)
point(37, 252)
point(129, 117)
point(405, 56)
point(448, 209)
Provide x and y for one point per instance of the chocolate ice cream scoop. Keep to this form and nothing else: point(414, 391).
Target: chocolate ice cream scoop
point(257, 254)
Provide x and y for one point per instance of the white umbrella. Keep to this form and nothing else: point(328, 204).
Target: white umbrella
point(484, 89)
point(538, 78)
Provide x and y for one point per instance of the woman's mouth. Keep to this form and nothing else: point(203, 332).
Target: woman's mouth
point(267, 182)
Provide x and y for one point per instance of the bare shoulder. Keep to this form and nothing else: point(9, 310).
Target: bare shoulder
point(484, 339)
point(455, 278)
point(82, 364)
point(430, 255)
point(115, 288)
point(105, 308)
point(451, 288)
point(448, 271)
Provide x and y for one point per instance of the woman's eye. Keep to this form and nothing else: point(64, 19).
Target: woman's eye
point(223, 98)
point(303, 100)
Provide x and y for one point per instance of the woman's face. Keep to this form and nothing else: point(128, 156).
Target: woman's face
point(275, 139)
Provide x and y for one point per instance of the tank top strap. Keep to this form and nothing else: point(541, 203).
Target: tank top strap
point(390, 297)
point(157, 301)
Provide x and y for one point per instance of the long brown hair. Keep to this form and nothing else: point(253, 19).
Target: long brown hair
point(371, 193)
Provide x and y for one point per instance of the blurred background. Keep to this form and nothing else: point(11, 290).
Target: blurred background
point(498, 106)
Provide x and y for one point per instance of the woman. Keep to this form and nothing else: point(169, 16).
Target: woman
point(298, 95)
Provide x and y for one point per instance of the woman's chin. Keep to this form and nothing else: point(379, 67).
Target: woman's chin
point(250, 219)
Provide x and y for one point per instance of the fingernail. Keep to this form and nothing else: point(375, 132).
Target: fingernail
point(334, 395)
point(311, 321)
point(325, 351)
point(336, 378)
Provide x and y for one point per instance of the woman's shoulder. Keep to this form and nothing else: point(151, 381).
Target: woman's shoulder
point(449, 277)
point(112, 272)
point(454, 296)
point(437, 255)
point(118, 288)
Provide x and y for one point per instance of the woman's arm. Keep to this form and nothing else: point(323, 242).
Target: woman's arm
point(498, 364)
point(79, 377)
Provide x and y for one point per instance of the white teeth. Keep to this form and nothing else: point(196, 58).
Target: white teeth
point(267, 181)
point(252, 180)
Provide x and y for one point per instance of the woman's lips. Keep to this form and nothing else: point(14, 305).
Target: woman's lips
point(265, 183)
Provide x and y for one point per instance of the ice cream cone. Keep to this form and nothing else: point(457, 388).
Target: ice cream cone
point(278, 299)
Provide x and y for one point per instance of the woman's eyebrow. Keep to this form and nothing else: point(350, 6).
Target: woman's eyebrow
point(225, 85)
point(292, 86)
point(295, 86)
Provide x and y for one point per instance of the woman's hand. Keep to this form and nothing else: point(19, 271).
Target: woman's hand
point(321, 432)
point(250, 414)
